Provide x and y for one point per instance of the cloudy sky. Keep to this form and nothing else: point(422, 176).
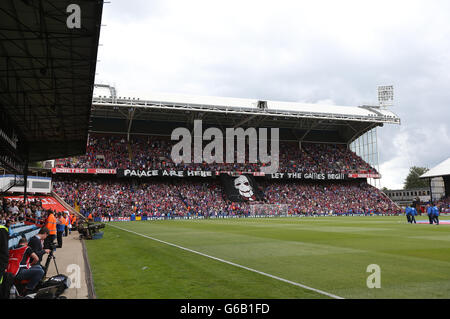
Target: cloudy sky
point(306, 51)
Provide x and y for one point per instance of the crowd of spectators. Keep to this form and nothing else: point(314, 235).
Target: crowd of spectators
point(27, 233)
point(101, 152)
point(16, 211)
point(150, 152)
point(444, 204)
point(332, 158)
point(324, 198)
point(189, 197)
point(102, 198)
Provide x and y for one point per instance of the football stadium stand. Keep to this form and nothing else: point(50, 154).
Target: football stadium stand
point(207, 198)
point(127, 168)
point(154, 153)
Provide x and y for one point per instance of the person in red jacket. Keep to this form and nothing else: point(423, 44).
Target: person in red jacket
point(19, 265)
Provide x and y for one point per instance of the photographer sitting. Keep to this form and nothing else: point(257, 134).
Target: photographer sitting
point(20, 266)
point(36, 241)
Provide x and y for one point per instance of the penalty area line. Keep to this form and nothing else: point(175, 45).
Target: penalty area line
point(233, 264)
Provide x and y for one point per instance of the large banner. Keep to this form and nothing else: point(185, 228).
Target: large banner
point(242, 188)
point(191, 173)
point(156, 172)
point(47, 202)
point(187, 173)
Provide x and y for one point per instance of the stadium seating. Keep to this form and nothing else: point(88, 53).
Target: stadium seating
point(206, 197)
point(154, 153)
point(20, 230)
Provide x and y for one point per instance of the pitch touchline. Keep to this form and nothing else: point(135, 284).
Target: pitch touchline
point(234, 264)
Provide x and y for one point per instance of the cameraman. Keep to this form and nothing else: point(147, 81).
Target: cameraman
point(36, 241)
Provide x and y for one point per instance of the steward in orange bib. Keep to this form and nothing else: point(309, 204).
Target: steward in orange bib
point(51, 226)
point(73, 219)
point(90, 218)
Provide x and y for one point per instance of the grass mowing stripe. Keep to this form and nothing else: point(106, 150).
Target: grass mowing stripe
point(234, 264)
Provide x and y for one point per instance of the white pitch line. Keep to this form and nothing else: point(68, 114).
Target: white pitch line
point(234, 264)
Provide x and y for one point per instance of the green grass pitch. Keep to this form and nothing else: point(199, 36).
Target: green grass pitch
point(326, 253)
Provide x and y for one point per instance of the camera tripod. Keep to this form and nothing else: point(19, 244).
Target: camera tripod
point(47, 263)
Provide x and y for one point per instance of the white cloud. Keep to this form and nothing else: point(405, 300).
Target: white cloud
point(395, 169)
point(419, 147)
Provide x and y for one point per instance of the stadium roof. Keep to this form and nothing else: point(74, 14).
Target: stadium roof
point(47, 73)
point(348, 123)
point(442, 169)
point(225, 103)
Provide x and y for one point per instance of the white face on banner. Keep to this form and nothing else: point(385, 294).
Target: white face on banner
point(243, 185)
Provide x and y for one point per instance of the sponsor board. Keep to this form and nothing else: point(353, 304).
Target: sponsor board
point(63, 170)
point(364, 175)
